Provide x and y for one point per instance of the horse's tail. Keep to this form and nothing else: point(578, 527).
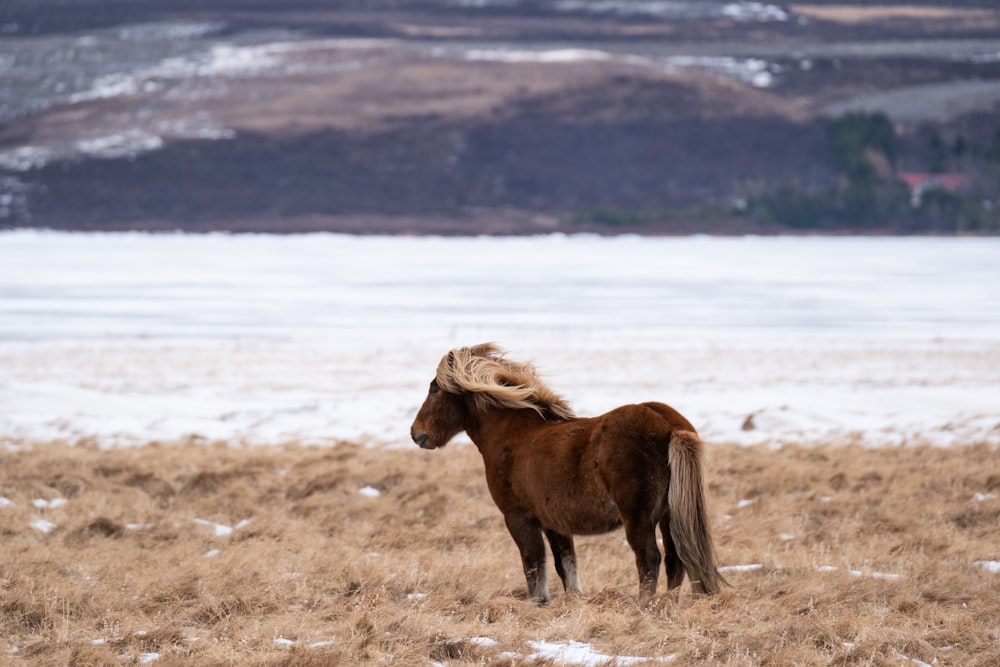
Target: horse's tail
point(689, 526)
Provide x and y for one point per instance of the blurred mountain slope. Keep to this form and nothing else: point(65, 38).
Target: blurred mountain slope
point(466, 116)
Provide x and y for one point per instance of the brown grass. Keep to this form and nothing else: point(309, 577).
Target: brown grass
point(864, 13)
point(413, 575)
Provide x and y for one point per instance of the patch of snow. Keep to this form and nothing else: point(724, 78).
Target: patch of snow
point(169, 30)
point(221, 529)
point(219, 60)
point(146, 658)
point(536, 56)
point(485, 642)
point(113, 85)
point(124, 144)
point(741, 568)
point(42, 525)
point(416, 596)
point(26, 158)
point(786, 537)
point(485, 3)
point(6, 502)
point(283, 642)
point(370, 491)
point(826, 568)
point(672, 9)
point(918, 663)
point(579, 653)
point(189, 69)
point(233, 60)
point(888, 576)
point(211, 553)
point(754, 11)
point(42, 503)
point(989, 565)
point(983, 497)
point(753, 71)
point(746, 502)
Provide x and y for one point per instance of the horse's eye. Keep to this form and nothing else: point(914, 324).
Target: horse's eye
point(434, 389)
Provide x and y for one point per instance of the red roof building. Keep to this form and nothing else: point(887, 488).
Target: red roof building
point(920, 182)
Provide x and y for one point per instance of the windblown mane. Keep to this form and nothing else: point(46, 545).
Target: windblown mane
point(498, 382)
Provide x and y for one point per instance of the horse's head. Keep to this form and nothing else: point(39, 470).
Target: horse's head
point(441, 418)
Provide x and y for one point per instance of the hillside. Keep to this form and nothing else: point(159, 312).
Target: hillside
point(486, 116)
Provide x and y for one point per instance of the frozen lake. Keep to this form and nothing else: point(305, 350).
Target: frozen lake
point(126, 338)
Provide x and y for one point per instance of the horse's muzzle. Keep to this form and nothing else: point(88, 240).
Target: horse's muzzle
point(419, 438)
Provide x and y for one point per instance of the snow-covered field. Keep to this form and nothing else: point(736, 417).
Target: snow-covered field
point(127, 338)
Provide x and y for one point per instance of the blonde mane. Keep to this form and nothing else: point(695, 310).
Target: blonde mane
point(498, 382)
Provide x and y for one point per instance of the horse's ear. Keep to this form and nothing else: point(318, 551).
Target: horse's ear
point(451, 360)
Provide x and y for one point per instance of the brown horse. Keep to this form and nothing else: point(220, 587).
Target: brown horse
point(553, 473)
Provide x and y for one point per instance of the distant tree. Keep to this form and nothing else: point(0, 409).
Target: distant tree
point(854, 137)
point(938, 154)
point(993, 152)
point(864, 151)
point(866, 195)
point(959, 147)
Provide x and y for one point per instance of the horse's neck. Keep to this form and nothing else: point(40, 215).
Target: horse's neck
point(496, 429)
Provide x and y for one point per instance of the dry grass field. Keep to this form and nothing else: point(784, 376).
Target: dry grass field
point(208, 554)
point(870, 12)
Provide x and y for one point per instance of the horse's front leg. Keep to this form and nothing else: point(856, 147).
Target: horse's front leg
point(564, 554)
point(527, 534)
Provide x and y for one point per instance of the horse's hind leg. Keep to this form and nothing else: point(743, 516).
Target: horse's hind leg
point(564, 555)
point(674, 566)
point(527, 534)
point(640, 531)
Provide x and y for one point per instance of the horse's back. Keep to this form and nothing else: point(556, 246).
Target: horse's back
point(640, 422)
point(676, 420)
